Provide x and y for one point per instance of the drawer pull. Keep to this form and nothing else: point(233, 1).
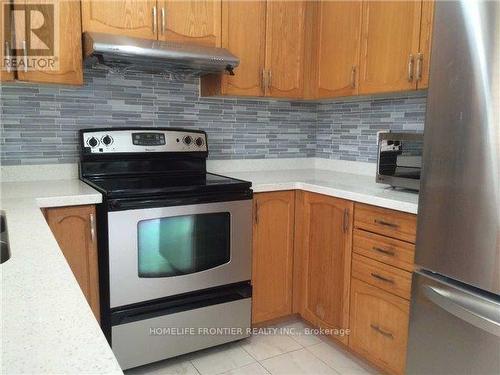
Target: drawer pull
point(384, 251)
point(382, 278)
point(386, 223)
point(381, 331)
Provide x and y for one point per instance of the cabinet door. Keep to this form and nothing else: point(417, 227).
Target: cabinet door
point(390, 42)
point(424, 56)
point(326, 261)
point(74, 230)
point(136, 18)
point(6, 74)
point(379, 326)
point(195, 22)
point(285, 48)
point(244, 34)
point(338, 48)
point(272, 255)
point(68, 43)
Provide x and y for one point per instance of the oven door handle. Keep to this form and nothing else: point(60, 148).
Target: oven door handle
point(120, 204)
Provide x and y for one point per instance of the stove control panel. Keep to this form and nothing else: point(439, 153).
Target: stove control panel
point(143, 140)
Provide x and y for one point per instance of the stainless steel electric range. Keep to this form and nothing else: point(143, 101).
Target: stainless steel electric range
point(174, 243)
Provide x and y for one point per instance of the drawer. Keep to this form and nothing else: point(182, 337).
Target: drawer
point(389, 223)
point(134, 343)
point(379, 326)
point(384, 249)
point(389, 278)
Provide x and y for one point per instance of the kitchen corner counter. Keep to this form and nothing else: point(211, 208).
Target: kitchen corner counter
point(355, 187)
point(47, 327)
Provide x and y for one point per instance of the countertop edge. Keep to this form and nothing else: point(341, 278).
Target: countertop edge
point(338, 193)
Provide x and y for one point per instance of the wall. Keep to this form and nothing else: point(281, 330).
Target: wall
point(347, 129)
point(39, 122)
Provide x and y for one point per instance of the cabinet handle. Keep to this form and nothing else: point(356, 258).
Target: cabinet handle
point(420, 61)
point(269, 79)
point(384, 251)
point(264, 80)
point(386, 223)
point(7, 57)
point(256, 212)
point(353, 77)
point(410, 68)
point(92, 227)
point(381, 331)
point(154, 20)
point(163, 21)
point(346, 220)
point(25, 56)
point(382, 278)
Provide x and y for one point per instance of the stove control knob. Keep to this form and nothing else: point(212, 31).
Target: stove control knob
point(107, 140)
point(199, 141)
point(188, 140)
point(93, 142)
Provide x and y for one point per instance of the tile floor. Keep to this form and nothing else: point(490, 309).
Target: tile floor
point(292, 353)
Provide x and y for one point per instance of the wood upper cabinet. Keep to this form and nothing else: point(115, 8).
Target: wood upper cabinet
point(424, 55)
point(135, 18)
point(5, 11)
point(337, 48)
point(75, 232)
point(389, 45)
point(324, 260)
point(238, 17)
point(68, 68)
point(285, 30)
point(273, 238)
point(195, 22)
point(379, 326)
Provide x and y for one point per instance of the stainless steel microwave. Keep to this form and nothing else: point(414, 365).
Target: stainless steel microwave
point(399, 159)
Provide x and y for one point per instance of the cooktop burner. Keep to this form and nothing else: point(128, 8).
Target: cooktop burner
point(133, 186)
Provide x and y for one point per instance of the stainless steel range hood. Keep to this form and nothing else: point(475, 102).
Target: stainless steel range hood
point(157, 55)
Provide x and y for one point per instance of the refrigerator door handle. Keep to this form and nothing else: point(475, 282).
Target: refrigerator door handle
point(475, 311)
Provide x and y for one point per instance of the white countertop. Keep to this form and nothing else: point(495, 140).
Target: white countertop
point(47, 327)
point(355, 187)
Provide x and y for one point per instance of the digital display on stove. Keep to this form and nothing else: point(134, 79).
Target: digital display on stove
point(148, 139)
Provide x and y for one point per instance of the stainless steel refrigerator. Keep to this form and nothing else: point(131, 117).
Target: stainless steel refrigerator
point(455, 306)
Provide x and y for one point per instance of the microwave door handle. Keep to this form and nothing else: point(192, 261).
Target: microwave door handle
point(452, 302)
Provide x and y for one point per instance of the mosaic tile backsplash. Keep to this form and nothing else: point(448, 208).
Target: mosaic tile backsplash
point(39, 122)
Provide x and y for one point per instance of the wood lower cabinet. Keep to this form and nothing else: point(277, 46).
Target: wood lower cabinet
point(390, 223)
point(324, 260)
point(194, 22)
point(382, 266)
point(379, 326)
point(75, 232)
point(135, 18)
point(272, 255)
point(306, 262)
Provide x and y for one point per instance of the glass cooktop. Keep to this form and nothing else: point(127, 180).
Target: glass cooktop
point(133, 186)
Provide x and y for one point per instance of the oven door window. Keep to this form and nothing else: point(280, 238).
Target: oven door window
point(181, 245)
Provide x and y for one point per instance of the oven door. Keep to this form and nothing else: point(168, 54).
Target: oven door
point(166, 251)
